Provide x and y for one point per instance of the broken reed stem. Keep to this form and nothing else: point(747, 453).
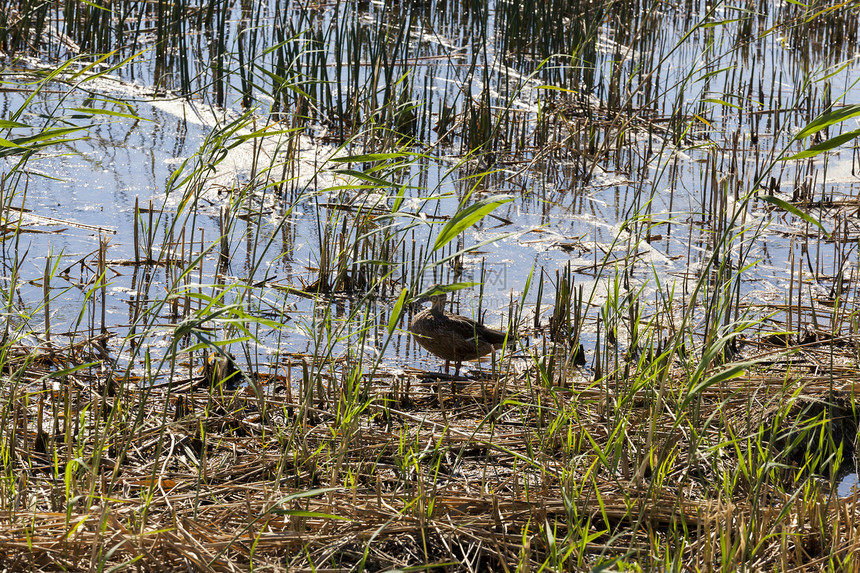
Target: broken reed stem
point(46, 293)
point(102, 274)
point(136, 230)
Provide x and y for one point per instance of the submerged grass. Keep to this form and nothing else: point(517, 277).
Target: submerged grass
point(646, 421)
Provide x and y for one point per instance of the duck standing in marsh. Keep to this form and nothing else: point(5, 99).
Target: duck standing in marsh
point(452, 337)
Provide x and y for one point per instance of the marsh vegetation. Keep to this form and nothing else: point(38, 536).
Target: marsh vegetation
point(217, 219)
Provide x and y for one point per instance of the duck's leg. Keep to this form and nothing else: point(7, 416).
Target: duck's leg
point(447, 366)
point(457, 371)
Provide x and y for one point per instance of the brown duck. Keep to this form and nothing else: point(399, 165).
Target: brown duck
point(452, 337)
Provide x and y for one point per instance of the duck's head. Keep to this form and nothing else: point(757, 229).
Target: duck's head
point(437, 295)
